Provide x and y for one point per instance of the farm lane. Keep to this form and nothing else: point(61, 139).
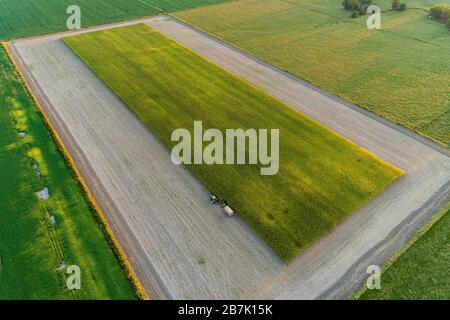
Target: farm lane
point(388, 141)
point(336, 265)
point(180, 245)
point(332, 268)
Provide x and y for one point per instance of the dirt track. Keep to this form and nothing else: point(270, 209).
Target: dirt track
point(182, 246)
point(161, 215)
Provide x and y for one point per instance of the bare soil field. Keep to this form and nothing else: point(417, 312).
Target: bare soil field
point(172, 87)
point(189, 246)
point(179, 245)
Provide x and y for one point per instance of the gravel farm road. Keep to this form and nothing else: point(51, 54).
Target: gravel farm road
point(180, 246)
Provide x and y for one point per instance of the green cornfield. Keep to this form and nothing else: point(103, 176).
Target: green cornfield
point(323, 178)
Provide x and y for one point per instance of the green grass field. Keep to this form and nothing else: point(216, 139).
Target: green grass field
point(19, 18)
point(401, 72)
point(31, 247)
point(322, 179)
point(422, 272)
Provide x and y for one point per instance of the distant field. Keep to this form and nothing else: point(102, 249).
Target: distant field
point(31, 248)
point(19, 18)
point(423, 271)
point(323, 178)
point(401, 72)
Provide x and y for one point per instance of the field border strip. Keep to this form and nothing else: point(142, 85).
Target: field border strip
point(98, 213)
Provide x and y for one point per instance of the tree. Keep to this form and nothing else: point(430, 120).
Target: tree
point(440, 12)
point(398, 5)
point(359, 6)
point(352, 5)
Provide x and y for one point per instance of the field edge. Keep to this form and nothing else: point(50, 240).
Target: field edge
point(114, 20)
point(436, 217)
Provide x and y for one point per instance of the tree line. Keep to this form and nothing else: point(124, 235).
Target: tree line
point(439, 12)
point(359, 7)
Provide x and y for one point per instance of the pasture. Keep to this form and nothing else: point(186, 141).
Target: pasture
point(422, 271)
point(401, 72)
point(31, 17)
point(32, 247)
point(323, 178)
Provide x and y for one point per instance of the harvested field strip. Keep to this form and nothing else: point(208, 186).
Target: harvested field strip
point(160, 213)
point(401, 72)
point(38, 236)
point(323, 178)
point(32, 17)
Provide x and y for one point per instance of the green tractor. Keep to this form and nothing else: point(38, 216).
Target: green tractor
point(213, 198)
